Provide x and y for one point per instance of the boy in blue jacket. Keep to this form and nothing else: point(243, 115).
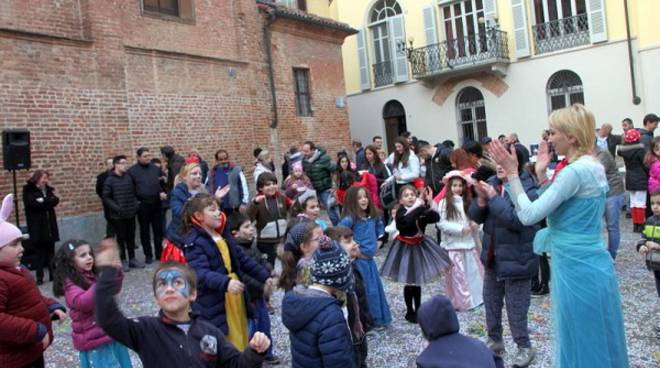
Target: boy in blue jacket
point(176, 338)
point(318, 331)
point(447, 347)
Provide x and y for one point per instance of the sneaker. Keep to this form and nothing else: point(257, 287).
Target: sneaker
point(496, 346)
point(273, 360)
point(524, 357)
point(148, 260)
point(134, 263)
point(124, 266)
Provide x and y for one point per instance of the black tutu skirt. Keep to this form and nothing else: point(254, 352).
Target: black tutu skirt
point(415, 264)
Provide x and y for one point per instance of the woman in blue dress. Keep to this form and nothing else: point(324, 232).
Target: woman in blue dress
point(586, 305)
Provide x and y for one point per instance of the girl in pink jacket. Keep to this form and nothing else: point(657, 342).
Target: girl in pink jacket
point(653, 163)
point(75, 279)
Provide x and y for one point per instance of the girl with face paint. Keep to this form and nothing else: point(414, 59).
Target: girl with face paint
point(75, 279)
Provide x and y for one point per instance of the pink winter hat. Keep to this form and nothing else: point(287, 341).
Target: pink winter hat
point(297, 166)
point(8, 231)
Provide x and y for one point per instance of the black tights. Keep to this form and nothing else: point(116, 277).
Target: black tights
point(412, 294)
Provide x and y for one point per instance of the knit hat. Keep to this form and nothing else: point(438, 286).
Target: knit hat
point(305, 194)
point(631, 136)
point(295, 236)
point(8, 231)
point(331, 266)
point(297, 166)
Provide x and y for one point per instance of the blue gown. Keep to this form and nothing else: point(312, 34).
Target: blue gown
point(586, 305)
point(366, 233)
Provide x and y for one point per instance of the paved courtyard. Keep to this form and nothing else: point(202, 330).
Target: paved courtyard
point(398, 345)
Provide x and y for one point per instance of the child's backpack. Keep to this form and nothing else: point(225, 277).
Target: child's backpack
point(388, 195)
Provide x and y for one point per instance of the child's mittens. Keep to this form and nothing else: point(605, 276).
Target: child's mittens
point(259, 342)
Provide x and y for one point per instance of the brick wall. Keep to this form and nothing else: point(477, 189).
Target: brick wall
point(91, 79)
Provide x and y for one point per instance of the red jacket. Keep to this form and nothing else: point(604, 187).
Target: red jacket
point(22, 310)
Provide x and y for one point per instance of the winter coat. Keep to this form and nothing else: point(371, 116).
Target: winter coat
point(178, 199)
point(24, 317)
point(407, 174)
point(147, 183)
point(636, 173)
point(437, 166)
point(380, 171)
point(654, 176)
point(319, 335)
point(270, 216)
point(87, 335)
point(254, 287)
point(120, 196)
point(212, 279)
point(159, 342)
point(301, 182)
point(234, 177)
point(447, 347)
point(40, 216)
point(513, 255)
point(259, 169)
point(646, 137)
point(614, 181)
point(319, 169)
point(453, 236)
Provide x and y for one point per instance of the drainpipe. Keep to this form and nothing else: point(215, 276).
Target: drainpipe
point(269, 59)
point(636, 99)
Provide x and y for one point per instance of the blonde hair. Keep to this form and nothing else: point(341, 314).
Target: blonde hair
point(184, 172)
point(578, 122)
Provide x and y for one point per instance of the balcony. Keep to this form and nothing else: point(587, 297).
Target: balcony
point(470, 53)
point(561, 34)
point(383, 73)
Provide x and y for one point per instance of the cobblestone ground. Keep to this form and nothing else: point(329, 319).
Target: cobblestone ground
point(398, 345)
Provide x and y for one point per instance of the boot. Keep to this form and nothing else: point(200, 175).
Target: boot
point(417, 300)
point(524, 357)
point(411, 316)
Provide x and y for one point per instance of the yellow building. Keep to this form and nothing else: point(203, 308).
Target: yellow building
point(465, 69)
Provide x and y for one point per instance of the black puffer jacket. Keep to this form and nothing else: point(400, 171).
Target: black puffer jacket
point(637, 174)
point(120, 197)
point(513, 256)
point(437, 166)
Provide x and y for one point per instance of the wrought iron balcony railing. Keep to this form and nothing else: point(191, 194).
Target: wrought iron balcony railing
point(471, 50)
point(383, 73)
point(561, 34)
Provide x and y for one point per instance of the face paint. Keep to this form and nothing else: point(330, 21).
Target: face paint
point(172, 278)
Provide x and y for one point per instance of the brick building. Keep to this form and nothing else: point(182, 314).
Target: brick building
point(95, 78)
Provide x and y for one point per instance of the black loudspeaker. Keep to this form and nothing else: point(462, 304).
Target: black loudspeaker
point(16, 149)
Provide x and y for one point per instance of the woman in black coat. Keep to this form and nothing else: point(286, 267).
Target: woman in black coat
point(40, 202)
point(637, 176)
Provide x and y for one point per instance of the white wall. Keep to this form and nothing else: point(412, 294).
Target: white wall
point(523, 108)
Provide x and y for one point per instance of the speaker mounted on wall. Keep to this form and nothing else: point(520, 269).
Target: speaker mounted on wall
point(16, 149)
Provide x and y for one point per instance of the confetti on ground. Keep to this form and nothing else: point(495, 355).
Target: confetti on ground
point(398, 346)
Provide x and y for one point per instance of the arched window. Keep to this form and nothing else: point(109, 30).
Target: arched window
point(471, 114)
point(383, 40)
point(564, 89)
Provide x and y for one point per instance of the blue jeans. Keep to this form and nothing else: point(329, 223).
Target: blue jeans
point(332, 211)
point(612, 212)
point(261, 323)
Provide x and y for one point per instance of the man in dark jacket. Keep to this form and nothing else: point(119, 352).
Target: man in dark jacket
point(319, 168)
point(650, 123)
point(437, 163)
point(119, 196)
point(174, 165)
point(447, 347)
point(150, 193)
point(226, 173)
point(100, 179)
point(359, 153)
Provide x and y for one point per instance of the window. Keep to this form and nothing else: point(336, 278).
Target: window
point(560, 24)
point(383, 51)
point(462, 27)
point(296, 4)
point(169, 7)
point(301, 85)
point(564, 89)
point(471, 114)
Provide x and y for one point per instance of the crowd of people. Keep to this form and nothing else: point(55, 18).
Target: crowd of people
point(506, 218)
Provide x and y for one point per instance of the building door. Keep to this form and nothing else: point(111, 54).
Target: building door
point(471, 115)
point(394, 116)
